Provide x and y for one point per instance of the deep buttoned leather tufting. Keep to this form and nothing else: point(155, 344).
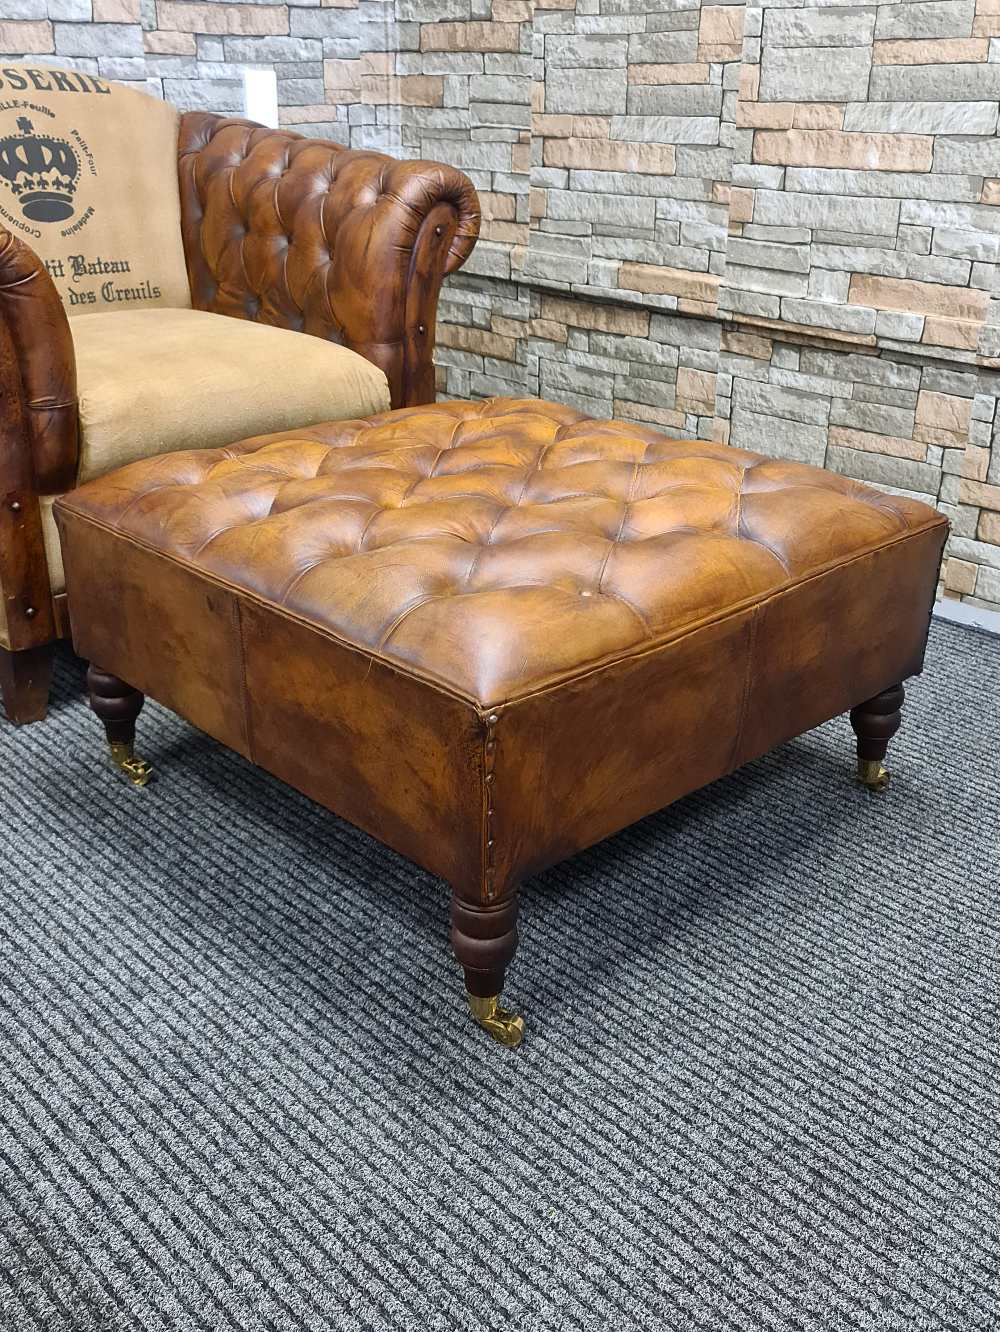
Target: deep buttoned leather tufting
point(309, 235)
point(496, 547)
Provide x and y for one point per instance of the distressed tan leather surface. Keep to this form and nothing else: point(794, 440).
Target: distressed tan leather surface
point(622, 616)
point(348, 245)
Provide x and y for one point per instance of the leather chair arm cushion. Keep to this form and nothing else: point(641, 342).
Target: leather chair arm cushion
point(36, 323)
point(304, 233)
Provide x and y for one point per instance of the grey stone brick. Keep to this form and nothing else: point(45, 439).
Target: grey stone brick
point(823, 314)
point(883, 469)
point(943, 83)
point(685, 100)
point(896, 324)
point(812, 74)
point(72, 11)
point(254, 50)
point(774, 400)
point(663, 48)
point(879, 216)
point(778, 438)
point(616, 209)
point(878, 417)
point(585, 52)
point(601, 92)
point(99, 39)
point(940, 18)
point(770, 280)
point(973, 156)
point(922, 117)
point(767, 254)
point(665, 129)
point(819, 27)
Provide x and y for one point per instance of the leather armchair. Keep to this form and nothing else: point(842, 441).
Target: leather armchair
point(351, 247)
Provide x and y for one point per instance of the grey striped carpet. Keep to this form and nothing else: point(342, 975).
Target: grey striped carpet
point(759, 1088)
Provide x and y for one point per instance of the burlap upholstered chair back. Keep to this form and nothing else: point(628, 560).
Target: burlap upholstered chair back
point(88, 179)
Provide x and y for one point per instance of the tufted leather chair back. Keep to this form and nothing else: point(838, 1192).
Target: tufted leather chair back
point(279, 228)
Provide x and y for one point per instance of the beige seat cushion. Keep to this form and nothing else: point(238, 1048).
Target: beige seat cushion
point(153, 381)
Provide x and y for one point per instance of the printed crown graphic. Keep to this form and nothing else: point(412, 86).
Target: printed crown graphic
point(41, 172)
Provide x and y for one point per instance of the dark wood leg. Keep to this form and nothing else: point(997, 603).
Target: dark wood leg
point(25, 679)
point(875, 723)
point(118, 705)
point(484, 937)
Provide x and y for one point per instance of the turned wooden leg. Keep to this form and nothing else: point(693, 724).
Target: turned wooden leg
point(25, 679)
point(875, 723)
point(118, 705)
point(484, 937)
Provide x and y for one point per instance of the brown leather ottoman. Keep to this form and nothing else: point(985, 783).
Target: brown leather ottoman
point(493, 633)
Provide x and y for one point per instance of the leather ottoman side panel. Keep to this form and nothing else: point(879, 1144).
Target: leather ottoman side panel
point(161, 628)
point(393, 755)
point(580, 760)
point(840, 638)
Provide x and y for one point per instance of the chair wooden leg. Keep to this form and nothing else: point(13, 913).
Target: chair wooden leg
point(484, 937)
point(875, 723)
point(25, 679)
point(118, 705)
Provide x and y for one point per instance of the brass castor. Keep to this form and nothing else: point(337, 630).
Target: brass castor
point(502, 1025)
point(136, 770)
point(872, 775)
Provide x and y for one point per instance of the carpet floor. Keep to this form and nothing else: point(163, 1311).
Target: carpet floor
point(759, 1089)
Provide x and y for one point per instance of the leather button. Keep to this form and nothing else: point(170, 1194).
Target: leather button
point(30, 612)
point(15, 506)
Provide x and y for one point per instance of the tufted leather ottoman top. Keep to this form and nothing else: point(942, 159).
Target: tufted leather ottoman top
point(497, 547)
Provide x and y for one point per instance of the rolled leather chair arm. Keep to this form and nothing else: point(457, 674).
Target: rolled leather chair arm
point(39, 339)
point(303, 233)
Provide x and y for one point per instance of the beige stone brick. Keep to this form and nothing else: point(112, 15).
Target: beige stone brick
point(509, 328)
point(746, 344)
point(959, 333)
point(477, 340)
point(740, 205)
point(537, 201)
point(509, 233)
point(653, 279)
point(511, 11)
point(941, 51)
point(318, 113)
point(600, 318)
point(661, 74)
point(989, 527)
point(376, 62)
point(34, 38)
point(474, 36)
point(498, 207)
point(696, 386)
point(975, 463)
point(721, 25)
point(520, 158)
point(991, 191)
point(946, 410)
point(641, 411)
point(960, 575)
point(931, 298)
point(817, 115)
point(223, 20)
point(549, 330)
point(869, 442)
point(977, 492)
point(707, 308)
point(749, 82)
point(600, 155)
point(339, 4)
point(173, 43)
point(986, 26)
point(720, 430)
point(763, 115)
point(343, 77)
point(945, 439)
point(834, 148)
point(720, 55)
point(537, 97)
point(116, 11)
point(406, 90)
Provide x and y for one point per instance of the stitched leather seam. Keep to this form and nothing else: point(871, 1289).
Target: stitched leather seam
point(745, 700)
point(637, 651)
